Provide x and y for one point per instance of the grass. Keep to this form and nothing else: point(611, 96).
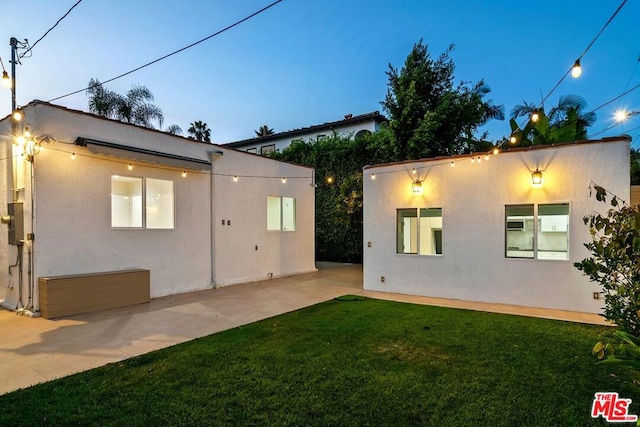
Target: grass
point(350, 361)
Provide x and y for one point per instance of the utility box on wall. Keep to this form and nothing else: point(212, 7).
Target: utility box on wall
point(16, 225)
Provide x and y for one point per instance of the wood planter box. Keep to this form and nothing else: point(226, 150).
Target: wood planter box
point(85, 293)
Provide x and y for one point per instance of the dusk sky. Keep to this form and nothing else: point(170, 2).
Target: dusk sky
point(308, 62)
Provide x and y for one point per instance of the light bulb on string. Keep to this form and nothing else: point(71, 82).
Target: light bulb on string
point(73, 156)
point(453, 164)
point(373, 176)
point(576, 70)
point(513, 139)
point(6, 81)
point(496, 151)
point(235, 178)
point(130, 167)
point(535, 116)
point(413, 171)
point(184, 174)
point(284, 180)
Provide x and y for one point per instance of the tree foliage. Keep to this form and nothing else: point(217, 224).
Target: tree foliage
point(615, 260)
point(566, 122)
point(264, 130)
point(430, 115)
point(200, 131)
point(635, 166)
point(134, 107)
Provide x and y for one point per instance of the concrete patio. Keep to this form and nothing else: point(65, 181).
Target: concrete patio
point(37, 350)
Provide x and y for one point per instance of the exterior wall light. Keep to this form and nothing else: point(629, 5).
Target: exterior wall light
point(536, 178)
point(416, 186)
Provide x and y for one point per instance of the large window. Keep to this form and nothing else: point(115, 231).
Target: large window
point(128, 203)
point(419, 231)
point(266, 149)
point(281, 213)
point(537, 231)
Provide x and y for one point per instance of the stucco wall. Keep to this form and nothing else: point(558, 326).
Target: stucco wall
point(473, 197)
point(73, 210)
point(281, 143)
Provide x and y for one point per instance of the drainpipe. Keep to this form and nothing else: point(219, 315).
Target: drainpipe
point(213, 156)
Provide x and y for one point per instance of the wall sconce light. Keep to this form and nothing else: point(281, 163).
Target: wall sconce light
point(536, 178)
point(416, 186)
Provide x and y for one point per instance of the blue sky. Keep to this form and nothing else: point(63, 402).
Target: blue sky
point(307, 62)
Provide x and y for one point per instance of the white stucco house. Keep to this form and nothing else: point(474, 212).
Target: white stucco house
point(350, 125)
point(502, 228)
point(83, 194)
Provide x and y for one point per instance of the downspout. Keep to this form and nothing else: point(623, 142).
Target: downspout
point(213, 156)
point(212, 193)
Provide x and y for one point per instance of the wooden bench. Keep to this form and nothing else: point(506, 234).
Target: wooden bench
point(84, 293)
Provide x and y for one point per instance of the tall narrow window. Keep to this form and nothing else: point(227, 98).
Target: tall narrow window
point(160, 208)
point(553, 232)
point(126, 202)
point(274, 213)
point(288, 214)
point(430, 234)
point(519, 234)
point(407, 231)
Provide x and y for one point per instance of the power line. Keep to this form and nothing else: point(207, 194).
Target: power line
point(585, 51)
point(172, 53)
point(49, 30)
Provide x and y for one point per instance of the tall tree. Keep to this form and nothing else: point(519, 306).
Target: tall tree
point(174, 130)
point(429, 115)
point(565, 122)
point(264, 131)
point(135, 107)
point(200, 131)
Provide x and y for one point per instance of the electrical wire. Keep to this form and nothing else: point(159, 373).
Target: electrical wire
point(49, 30)
point(2, 63)
point(172, 53)
point(585, 51)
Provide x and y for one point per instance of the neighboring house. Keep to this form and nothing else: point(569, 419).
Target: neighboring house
point(351, 125)
point(110, 196)
point(480, 229)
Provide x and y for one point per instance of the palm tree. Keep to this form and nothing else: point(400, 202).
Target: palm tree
point(135, 107)
point(174, 130)
point(566, 122)
point(102, 101)
point(200, 131)
point(264, 131)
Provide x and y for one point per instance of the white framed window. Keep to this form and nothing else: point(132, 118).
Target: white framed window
point(138, 202)
point(537, 231)
point(266, 149)
point(281, 213)
point(419, 231)
point(252, 150)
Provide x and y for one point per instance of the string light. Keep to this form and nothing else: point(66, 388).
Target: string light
point(513, 139)
point(452, 164)
point(27, 132)
point(486, 157)
point(284, 180)
point(184, 174)
point(330, 179)
point(373, 176)
point(73, 156)
point(496, 150)
point(473, 159)
point(17, 115)
point(235, 178)
point(535, 117)
point(576, 70)
point(130, 167)
point(413, 171)
point(6, 81)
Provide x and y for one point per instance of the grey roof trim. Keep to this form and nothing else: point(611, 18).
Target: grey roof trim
point(315, 128)
point(142, 154)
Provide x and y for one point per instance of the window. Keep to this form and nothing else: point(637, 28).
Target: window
point(266, 149)
point(128, 203)
point(363, 133)
point(252, 150)
point(419, 231)
point(537, 231)
point(281, 213)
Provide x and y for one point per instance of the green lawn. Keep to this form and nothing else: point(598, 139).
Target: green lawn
point(350, 361)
